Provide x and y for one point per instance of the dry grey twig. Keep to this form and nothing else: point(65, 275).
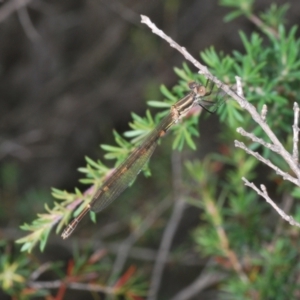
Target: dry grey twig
point(263, 192)
point(296, 133)
point(264, 112)
point(267, 162)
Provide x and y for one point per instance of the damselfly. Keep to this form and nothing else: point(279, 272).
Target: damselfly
point(127, 171)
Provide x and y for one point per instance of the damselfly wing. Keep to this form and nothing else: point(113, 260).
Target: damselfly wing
point(214, 97)
point(127, 171)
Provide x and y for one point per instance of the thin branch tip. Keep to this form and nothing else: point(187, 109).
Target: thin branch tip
point(264, 112)
point(144, 19)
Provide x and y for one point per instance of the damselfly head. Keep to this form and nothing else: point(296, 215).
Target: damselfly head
point(198, 89)
point(192, 85)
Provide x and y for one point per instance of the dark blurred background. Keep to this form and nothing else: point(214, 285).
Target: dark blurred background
point(73, 70)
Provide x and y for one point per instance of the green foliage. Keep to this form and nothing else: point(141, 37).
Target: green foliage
point(14, 273)
point(140, 127)
point(242, 7)
point(274, 15)
point(19, 275)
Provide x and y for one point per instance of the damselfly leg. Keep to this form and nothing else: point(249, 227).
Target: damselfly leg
point(214, 97)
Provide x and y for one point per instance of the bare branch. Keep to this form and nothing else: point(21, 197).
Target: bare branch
point(28, 27)
point(204, 280)
point(239, 86)
point(40, 270)
point(296, 133)
point(260, 24)
point(284, 175)
point(10, 7)
point(71, 285)
point(264, 112)
point(263, 192)
point(255, 139)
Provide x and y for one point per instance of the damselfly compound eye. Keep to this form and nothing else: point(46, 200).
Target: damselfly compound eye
point(192, 85)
